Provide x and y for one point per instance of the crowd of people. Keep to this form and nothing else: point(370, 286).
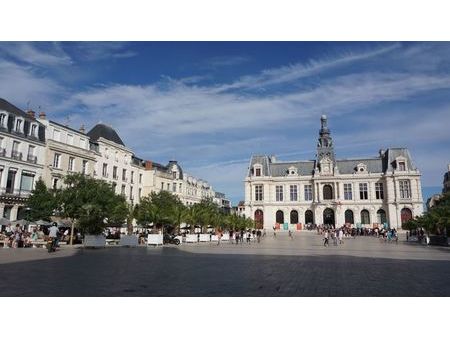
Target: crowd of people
point(19, 236)
point(336, 235)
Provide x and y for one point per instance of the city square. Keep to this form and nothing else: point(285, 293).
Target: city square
point(277, 267)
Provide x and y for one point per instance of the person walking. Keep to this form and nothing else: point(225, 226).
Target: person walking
point(325, 238)
point(341, 236)
point(236, 236)
point(249, 234)
point(290, 234)
point(274, 232)
point(258, 235)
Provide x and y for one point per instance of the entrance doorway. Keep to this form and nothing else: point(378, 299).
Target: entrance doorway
point(328, 217)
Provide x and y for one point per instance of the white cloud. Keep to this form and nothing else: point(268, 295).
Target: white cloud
point(31, 53)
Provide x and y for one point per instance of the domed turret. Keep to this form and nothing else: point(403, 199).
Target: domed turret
point(107, 132)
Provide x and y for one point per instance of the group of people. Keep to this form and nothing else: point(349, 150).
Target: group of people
point(239, 236)
point(336, 235)
point(20, 237)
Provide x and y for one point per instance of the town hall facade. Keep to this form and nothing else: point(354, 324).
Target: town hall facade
point(363, 192)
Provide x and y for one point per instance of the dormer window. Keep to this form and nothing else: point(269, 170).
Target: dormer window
point(3, 119)
point(400, 163)
point(292, 171)
point(257, 170)
point(19, 125)
point(361, 168)
point(33, 130)
point(401, 166)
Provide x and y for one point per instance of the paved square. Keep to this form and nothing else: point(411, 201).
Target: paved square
point(363, 266)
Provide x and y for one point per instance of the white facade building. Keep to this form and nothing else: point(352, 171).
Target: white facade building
point(67, 152)
point(22, 157)
point(363, 192)
point(115, 163)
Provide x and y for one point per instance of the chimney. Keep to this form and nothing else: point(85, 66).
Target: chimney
point(82, 130)
point(148, 165)
point(42, 115)
point(31, 114)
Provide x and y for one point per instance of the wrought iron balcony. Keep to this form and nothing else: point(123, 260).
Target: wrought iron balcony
point(32, 158)
point(17, 155)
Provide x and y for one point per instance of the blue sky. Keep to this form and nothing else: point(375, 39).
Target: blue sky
point(212, 105)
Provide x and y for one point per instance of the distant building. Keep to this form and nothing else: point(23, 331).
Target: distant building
point(446, 180)
point(239, 209)
point(431, 202)
point(222, 202)
point(362, 192)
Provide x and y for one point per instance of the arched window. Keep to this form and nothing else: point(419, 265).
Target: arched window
point(349, 217)
point(294, 217)
point(327, 192)
point(309, 217)
point(381, 216)
point(279, 217)
point(406, 215)
point(365, 217)
point(259, 219)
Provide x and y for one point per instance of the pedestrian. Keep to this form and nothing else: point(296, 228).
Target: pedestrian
point(325, 238)
point(274, 232)
point(236, 236)
point(249, 234)
point(258, 235)
point(242, 236)
point(219, 237)
point(341, 236)
point(264, 233)
point(290, 234)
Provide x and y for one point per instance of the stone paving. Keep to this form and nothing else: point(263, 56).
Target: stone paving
point(276, 267)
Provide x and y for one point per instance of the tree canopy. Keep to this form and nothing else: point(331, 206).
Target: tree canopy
point(42, 202)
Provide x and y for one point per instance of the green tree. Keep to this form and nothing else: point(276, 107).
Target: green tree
point(92, 203)
point(163, 209)
point(42, 203)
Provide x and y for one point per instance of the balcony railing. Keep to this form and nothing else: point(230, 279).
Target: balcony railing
point(9, 191)
point(17, 155)
point(32, 158)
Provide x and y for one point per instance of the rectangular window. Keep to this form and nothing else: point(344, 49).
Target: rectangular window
point(3, 120)
point(348, 193)
point(84, 169)
point(10, 181)
point(115, 172)
point(180, 188)
point(132, 177)
point(379, 193)
point(55, 183)
point(26, 183)
point(293, 192)
point(56, 160)
point(168, 186)
point(405, 189)
point(33, 130)
point(122, 191)
point(30, 157)
point(131, 192)
point(258, 172)
point(18, 126)
point(71, 164)
point(105, 170)
point(140, 178)
point(124, 174)
point(279, 193)
point(363, 192)
point(308, 192)
point(162, 185)
point(139, 193)
point(259, 196)
point(401, 166)
point(174, 187)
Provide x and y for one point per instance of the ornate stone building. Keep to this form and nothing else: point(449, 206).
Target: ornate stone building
point(22, 150)
point(363, 192)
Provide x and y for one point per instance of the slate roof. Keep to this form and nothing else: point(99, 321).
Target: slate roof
point(380, 164)
point(108, 133)
point(10, 108)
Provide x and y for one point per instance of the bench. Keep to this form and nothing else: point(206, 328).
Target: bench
point(39, 244)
